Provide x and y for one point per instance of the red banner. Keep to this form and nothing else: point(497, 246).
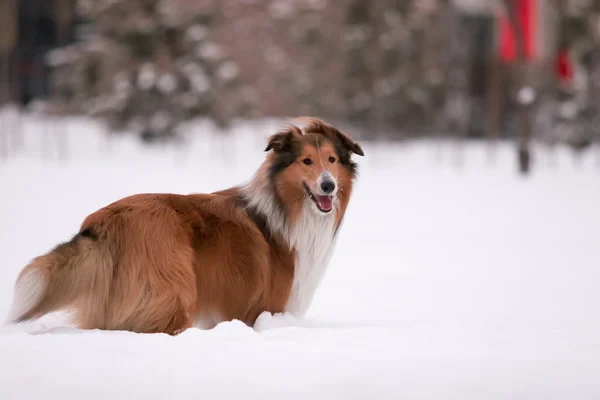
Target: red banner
point(527, 16)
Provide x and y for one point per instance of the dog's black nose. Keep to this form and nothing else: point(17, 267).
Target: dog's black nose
point(328, 186)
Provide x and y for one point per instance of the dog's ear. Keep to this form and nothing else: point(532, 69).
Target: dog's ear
point(283, 141)
point(348, 144)
point(279, 142)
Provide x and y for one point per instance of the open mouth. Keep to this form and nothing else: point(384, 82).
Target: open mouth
point(324, 203)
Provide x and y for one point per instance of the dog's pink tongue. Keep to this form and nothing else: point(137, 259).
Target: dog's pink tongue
point(325, 202)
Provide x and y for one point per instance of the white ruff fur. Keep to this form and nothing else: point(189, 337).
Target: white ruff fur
point(207, 320)
point(313, 237)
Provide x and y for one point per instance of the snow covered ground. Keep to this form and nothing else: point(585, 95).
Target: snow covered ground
point(447, 283)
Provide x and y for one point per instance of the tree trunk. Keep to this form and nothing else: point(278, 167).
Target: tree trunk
point(493, 105)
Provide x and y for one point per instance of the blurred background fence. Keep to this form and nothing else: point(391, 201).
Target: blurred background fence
point(520, 70)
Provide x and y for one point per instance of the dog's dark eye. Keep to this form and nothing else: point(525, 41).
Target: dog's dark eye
point(331, 159)
point(307, 161)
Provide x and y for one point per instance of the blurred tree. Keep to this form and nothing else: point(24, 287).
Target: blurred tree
point(9, 127)
point(8, 42)
point(393, 59)
point(592, 65)
point(150, 66)
point(457, 106)
point(578, 114)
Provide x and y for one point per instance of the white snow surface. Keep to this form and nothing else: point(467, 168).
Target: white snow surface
point(447, 282)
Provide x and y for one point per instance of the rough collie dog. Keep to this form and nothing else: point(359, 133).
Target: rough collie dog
point(165, 262)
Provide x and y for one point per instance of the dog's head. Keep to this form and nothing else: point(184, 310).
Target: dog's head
point(313, 166)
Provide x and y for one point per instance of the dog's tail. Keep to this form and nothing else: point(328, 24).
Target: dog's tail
point(57, 279)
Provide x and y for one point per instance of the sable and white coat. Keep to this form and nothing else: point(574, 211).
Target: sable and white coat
point(166, 262)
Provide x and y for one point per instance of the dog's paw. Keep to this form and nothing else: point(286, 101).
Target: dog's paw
point(266, 320)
